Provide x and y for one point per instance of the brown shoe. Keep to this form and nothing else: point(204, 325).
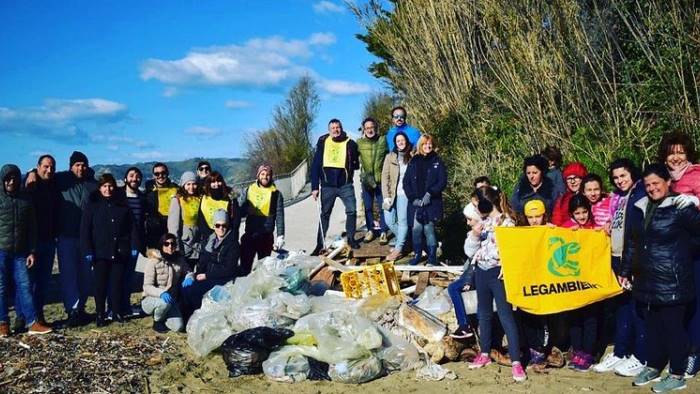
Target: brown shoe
point(394, 255)
point(501, 358)
point(39, 329)
point(4, 330)
point(555, 358)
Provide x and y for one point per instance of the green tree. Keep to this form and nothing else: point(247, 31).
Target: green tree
point(378, 106)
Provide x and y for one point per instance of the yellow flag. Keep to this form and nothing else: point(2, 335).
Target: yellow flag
point(548, 270)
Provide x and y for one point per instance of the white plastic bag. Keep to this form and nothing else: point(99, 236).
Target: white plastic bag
point(206, 331)
point(434, 300)
point(356, 371)
point(287, 365)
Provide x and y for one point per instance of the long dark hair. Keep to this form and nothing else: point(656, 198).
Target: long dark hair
point(161, 241)
point(407, 151)
point(215, 176)
point(490, 198)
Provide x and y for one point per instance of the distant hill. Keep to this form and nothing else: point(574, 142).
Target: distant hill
point(233, 170)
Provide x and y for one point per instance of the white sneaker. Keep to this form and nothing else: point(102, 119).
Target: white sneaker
point(608, 363)
point(630, 367)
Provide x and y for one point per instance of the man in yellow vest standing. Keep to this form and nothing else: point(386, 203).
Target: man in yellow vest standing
point(263, 205)
point(159, 191)
point(332, 169)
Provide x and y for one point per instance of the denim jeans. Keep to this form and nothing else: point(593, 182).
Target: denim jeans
point(41, 274)
point(397, 220)
point(170, 313)
point(630, 330)
point(15, 266)
point(418, 232)
point(75, 274)
point(488, 289)
point(454, 289)
point(369, 198)
point(328, 194)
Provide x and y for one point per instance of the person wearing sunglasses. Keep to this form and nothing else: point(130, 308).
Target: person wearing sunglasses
point(159, 192)
point(263, 204)
point(398, 119)
point(218, 263)
point(162, 275)
point(203, 171)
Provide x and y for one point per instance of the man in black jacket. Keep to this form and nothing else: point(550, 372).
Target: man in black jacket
point(332, 169)
point(17, 249)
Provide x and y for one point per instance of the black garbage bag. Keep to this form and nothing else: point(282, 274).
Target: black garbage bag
point(318, 370)
point(245, 351)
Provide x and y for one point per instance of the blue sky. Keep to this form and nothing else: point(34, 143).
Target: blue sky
point(128, 81)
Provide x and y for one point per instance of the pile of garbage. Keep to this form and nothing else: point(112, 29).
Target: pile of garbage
point(277, 322)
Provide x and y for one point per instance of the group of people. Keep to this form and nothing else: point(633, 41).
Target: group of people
point(653, 220)
point(189, 233)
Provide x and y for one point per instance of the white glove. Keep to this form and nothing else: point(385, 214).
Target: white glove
point(684, 200)
point(279, 242)
point(387, 204)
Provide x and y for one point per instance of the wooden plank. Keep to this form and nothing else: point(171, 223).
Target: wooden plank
point(371, 250)
point(423, 268)
point(325, 275)
point(422, 283)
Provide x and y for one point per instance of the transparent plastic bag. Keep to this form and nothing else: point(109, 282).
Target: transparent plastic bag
point(434, 300)
point(435, 372)
point(206, 331)
point(421, 323)
point(356, 371)
point(397, 353)
point(286, 365)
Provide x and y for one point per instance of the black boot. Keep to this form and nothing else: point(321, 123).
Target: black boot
point(101, 320)
point(159, 326)
point(73, 319)
point(118, 318)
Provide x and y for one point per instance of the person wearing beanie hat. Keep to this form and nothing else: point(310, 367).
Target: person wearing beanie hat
point(159, 192)
point(263, 205)
point(78, 157)
point(184, 216)
point(573, 173)
point(372, 148)
point(533, 184)
point(218, 263)
point(534, 208)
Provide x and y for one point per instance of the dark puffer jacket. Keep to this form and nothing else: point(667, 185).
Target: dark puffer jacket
point(659, 256)
point(435, 180)
point(107, 230)
point(523, 193)
point(220, 263)
point(17, 218)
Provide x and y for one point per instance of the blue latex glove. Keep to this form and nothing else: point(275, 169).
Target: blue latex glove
point(89, 258)
point(417, 203)
point(166, 297)
point(426, 199)
point(187, 282)
point(134, 252)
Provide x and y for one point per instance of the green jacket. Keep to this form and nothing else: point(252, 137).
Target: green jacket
point(372, 153)
point(17, 218)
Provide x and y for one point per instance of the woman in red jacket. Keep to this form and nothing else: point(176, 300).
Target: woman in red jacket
point(573, 174)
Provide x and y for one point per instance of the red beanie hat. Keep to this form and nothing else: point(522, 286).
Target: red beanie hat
point(576, 169)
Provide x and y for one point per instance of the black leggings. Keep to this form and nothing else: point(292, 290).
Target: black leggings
point(583, 328)
point(667, 339)
point(108, 274)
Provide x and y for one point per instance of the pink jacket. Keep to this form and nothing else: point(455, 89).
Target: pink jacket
point(601, 211)
point(689, 182)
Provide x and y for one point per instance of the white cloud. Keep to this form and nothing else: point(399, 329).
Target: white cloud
point(325, 6)
point(170, 91)
point(343, 88)
point(147, 155)
point(203, 131)
point(237, 104)
point(112, 140)
point(62, 119)
point(260, 62)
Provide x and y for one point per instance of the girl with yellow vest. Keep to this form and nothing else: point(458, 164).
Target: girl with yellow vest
point(216, 195)
point(183, 217)
point(264, 206)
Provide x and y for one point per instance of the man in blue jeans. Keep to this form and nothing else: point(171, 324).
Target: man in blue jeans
point(332, 169)
point(372, 149)
point(17, 248)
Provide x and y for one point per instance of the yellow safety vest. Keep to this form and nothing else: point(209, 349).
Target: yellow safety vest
point(190, 210)
point(165, 195)
point(335, 153)
point(209, 206)
point(259, 199)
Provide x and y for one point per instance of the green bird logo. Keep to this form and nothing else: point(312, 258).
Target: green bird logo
point(560, 264)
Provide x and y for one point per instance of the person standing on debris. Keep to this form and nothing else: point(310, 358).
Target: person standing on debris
point(480, 246)
point(398, 119)
point(425, 179)
point(45, 200)
point(159, 192)
point(74, 188)
point(372, 149)
point(18, 237)
point(217, 195)
point(108, 241)
point(217, 263)
point(264, 206)
point(183, 217)
point(333, 166)
point(395, 203)
point(162, 276)
point(136, 201)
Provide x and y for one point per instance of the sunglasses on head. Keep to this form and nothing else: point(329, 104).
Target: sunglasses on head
point(399, 116)
point(160, 173)
point(221, 225)
point(169, 243)
point(204, 168)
